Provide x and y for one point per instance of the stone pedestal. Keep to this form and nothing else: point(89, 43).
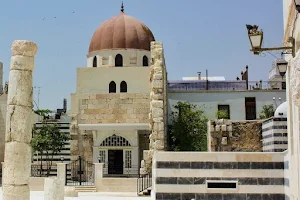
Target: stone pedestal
point(98, 175)
point(53, 189)
point(61, 172)
point(17, 160)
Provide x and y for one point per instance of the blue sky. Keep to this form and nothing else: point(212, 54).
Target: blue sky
point(197, 35)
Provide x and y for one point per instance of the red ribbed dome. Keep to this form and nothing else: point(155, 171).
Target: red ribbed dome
point(121, 32)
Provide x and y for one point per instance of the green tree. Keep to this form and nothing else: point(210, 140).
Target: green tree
point(188, 130)
point(48, 141)
point(44, 113)
point(267, 111)
point(222, 114)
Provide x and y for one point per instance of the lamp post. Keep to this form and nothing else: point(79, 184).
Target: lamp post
point(256, 38)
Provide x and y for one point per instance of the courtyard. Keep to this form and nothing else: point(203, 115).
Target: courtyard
point(91, 196)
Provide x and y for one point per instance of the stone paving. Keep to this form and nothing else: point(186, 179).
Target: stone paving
point(90, 196)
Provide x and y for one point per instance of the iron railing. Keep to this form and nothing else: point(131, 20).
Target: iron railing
point(111, 170)
point(144, 183)
point(240, 85)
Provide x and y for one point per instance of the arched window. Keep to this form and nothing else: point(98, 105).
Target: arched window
point(112, 87)
point(95, 61)
point(115, 141)
point(145, 61)
point(123, 86)
point(119, 60)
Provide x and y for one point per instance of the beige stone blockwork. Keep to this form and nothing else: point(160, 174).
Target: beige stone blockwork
point(115, 108)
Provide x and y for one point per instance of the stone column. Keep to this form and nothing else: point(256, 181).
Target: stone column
point(98, 175)
point(158, 95)
point(53, 189)
point(61, 172)
point(17, 159)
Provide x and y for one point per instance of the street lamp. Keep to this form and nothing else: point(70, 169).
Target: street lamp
point(282, 66)
point(256, 38)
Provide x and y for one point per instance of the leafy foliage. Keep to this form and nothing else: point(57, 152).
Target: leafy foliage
point(48, 141)
point(267, 111)
point(222, 114)
point(44, 113)
point(188, 130)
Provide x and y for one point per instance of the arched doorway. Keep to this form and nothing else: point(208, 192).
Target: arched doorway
point(115, 154)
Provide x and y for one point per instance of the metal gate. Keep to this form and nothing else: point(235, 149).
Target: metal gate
point(80, 172)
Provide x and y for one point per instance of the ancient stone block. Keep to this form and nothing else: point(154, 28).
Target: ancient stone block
point(24, 48)
point(224, 141)
point(158, 126)
point(157, 77)
point(217, 128)
point(19, 83)
point(17, 154)
point(157, 112)
point(158, 119)
point(15, 192)
point(18, 131)
point(54, 189)
point(223, 127)
point(156, 96)
point(157, 104)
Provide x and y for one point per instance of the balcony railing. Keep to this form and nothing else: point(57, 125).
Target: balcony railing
point(225, 85)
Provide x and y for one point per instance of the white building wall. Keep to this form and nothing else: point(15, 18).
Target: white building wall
point(208, 101)
point(96, 80)
point(106, 58)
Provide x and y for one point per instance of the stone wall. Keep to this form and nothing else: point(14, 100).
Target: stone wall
point(114, 108)
point(227, 135)
point(232, 175)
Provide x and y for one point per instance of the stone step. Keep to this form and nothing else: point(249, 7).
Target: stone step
point(85, 189)
point(146, 192)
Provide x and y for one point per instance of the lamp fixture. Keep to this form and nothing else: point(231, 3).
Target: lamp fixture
point(62, 159)
point(256, 38)
point(282, 66)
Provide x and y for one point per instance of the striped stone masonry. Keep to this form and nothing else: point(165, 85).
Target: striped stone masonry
point(65, 153)
point(274, 133)
point(218, 176)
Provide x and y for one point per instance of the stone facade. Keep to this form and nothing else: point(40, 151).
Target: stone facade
point(227, 135)
point(104, 109)
point(114, 108)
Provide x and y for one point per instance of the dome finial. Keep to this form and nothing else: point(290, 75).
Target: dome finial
point(122, 7)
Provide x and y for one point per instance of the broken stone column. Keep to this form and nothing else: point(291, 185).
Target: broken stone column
point(54, 189)
point(17, 159)
point(157, 113)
